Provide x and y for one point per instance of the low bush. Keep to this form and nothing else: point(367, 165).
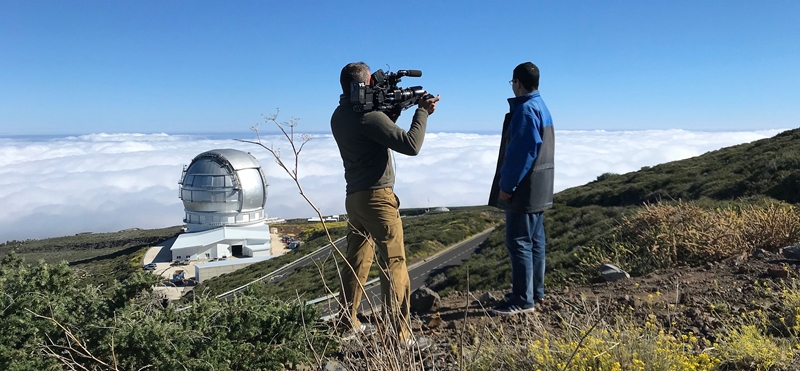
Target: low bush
point(664, 235)
point(50, 321)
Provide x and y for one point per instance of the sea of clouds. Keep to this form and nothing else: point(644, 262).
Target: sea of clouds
point(109, 182)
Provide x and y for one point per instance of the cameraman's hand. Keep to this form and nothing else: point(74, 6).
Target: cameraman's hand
point(429, 104)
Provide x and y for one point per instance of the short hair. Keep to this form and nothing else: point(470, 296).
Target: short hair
point(356, 71)
point(528, 75)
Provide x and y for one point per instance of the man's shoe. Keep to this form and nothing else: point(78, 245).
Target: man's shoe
point(364, 329)
point(510, 296)
point(509, 309)
point(416, 343)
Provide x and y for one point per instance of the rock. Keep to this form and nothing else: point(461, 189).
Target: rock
point(487, 298)
point(612, 273)
point(777, 272)
point(334, 366)
point(450, 325)
point(436, 322)
point(757, 253)
point(791, 252)
point(425, 300)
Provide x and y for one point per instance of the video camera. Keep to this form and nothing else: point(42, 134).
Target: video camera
point(384, 94)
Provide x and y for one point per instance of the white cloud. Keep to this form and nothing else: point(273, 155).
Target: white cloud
point(109, 182)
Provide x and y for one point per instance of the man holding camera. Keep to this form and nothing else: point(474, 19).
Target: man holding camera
point(365, 141)
point(523, 187)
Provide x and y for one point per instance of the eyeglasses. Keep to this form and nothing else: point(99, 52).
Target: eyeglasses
point(511, 82)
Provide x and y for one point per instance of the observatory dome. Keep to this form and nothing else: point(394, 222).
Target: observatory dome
point(223, 187)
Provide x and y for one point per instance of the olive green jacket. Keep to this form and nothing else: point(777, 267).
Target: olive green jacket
point(365, 141)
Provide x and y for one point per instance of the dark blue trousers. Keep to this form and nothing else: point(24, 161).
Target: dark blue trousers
point(525, 243)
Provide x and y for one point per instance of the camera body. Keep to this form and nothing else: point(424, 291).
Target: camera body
point(384, 95)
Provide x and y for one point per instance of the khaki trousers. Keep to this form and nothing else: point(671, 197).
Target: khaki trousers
point(374, 213)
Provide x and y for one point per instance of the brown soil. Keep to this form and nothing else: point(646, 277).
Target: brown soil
point(701, 299)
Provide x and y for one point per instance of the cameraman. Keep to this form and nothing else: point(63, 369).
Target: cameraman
point(365, 141)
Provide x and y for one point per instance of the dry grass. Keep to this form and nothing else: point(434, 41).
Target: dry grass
point(664, 235)
point(590, 342)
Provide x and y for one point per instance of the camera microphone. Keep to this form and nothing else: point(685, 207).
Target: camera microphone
point(410, 73)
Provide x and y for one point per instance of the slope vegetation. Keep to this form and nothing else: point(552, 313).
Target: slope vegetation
point(585, 227)
point(767, 167)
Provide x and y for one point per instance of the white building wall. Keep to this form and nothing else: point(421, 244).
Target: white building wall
point(255, 241)
point(220, 250)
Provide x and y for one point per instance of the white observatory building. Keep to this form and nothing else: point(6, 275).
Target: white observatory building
point(224, 192)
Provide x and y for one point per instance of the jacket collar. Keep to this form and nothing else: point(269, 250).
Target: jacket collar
point(516, 101)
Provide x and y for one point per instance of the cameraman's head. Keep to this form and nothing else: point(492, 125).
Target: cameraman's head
point(525, 79)
point(354, 72)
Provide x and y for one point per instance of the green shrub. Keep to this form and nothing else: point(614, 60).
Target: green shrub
point(48, 313)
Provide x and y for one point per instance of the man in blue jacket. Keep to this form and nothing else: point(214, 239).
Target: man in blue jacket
point(523, 187)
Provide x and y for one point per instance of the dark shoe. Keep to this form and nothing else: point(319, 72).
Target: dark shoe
point(509, 309)
point(510, 297)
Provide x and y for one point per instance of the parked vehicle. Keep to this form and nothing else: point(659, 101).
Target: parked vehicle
point(178, 276)
point(149, 267)
point(224, 257)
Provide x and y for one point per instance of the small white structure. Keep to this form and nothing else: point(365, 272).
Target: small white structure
point(332, 218)
point(208, 270)
point(440, 209)
point(224, 192)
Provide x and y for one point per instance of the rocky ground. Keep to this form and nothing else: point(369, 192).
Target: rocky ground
point(704, 300)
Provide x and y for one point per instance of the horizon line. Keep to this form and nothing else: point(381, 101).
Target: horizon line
point(478, 132)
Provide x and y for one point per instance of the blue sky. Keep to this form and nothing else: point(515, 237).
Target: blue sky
point(202, 66)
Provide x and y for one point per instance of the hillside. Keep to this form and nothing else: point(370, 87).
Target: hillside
point(424, 235)
point(768, 167)
point(103, 258)
point(584, 221)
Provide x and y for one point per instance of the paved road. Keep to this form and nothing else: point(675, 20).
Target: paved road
point(319, 255)
point(420, 272)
